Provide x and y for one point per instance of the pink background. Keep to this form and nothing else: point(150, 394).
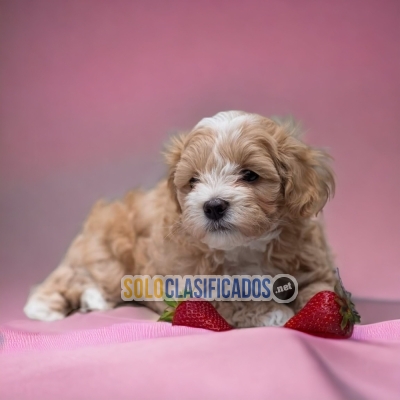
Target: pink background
point(90, 90)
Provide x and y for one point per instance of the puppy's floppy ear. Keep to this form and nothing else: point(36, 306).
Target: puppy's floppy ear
point(307, 177)
point(172, 157)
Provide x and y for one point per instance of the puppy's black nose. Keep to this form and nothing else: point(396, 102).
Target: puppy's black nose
point(215, 208)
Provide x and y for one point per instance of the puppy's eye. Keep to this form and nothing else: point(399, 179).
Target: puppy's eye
point(249, 176)
point(192, 182)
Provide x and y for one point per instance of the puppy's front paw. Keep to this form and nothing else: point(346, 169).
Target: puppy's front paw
point(278, 316)
point(41, 310)
point(92, 300)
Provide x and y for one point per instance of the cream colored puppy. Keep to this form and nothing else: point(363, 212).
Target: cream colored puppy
point(241, 197)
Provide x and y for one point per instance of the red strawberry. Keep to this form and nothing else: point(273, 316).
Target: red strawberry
point(195, 313)
point(327, 314)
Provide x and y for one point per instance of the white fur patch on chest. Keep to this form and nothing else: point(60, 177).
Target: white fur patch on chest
point(249, 259)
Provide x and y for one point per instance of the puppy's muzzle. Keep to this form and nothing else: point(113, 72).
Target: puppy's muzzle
point(215, 209)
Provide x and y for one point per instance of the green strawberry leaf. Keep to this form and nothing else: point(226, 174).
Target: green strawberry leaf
point(347, 307)
point(169, 301)
point(167, 316)
point(345, 321)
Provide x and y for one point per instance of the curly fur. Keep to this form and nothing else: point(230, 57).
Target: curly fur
point(271, 225)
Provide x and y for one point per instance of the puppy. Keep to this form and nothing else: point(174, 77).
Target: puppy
point(241, 197)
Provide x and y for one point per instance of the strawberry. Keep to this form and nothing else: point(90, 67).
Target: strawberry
point(327, 314)
point(195, 313)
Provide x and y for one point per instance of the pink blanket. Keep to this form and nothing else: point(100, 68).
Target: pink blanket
point(125, 354)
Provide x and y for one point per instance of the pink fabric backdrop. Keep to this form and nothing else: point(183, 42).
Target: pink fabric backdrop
point(90, 90)
point(123, 353)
